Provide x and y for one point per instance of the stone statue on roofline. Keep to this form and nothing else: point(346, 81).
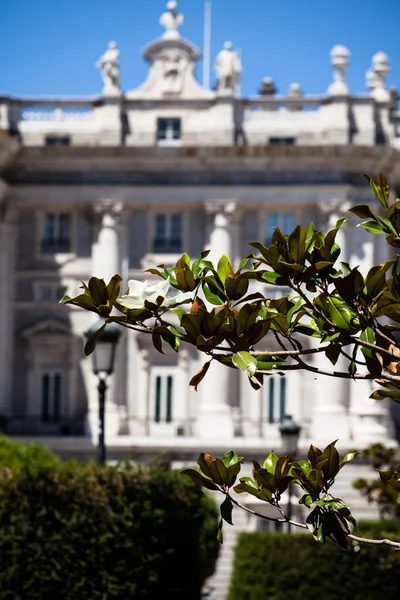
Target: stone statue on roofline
point(228, 68)
point(108, 65)
point(171, 20)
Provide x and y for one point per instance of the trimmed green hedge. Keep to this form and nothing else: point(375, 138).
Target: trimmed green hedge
point(295, 567)
point(84, 532)
point(24, 455)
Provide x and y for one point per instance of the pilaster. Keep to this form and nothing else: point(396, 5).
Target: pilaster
point(215, 416)
point(7, 282)
point(331, 394)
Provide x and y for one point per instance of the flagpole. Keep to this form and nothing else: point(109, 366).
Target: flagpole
point(207, 44)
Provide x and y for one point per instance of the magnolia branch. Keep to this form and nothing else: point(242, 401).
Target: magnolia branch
point(355, 538)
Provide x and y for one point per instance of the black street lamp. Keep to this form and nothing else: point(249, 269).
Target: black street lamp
point(103, 358)
point(290, 432)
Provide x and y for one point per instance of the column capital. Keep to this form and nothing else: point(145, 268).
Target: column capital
point(213, 207)
point(333, 210)
point(110, 212)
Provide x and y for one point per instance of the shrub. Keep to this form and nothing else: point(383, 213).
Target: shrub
point(88, 532)
point(295, 567)
point(17, 455)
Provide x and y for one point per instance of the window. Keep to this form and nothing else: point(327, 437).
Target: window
point(163, 395)
point(281, 141)
point(168, 233)
point(284, 222)
point(56, 232)
point(276, 398)
point(53, 140)
point(51, 397)
point(168, 132)
point(50, 292)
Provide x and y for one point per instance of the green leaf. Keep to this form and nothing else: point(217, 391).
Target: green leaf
point(371, 227)
point(168, 336)
point(113, 288)
point(226, 510)
point(270, 462)
point(274, 278)
point(83, 301)
point(347, 458)
point(223, 268)
point(185, 279)
point(91, 343)
point(245, 362)
point(200, 479)
point(211, 297)
point(383, 394)
point(98, 290)
point(296, 242)
point(231, 458)
point(218, 471)
point(233, 472)
point(375, 280)
point(157, 342)
point(363, 211)
point(203, 461)
point(236, 287)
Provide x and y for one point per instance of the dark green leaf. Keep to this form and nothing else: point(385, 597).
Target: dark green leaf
point(200, 479)
point(226, 510)
point(91, 343)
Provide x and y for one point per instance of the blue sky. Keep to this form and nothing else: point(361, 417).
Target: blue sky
point(50, 47)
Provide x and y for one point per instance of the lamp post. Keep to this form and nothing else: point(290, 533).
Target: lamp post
point(290, 432)
point(103, 358)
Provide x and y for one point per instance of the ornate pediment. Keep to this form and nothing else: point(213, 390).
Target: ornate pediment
point(172, 64)
point(47, 326)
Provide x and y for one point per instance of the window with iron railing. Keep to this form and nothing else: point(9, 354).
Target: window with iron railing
point(163, 398)
point(56, 233)
point(167, 233)
point(51, 384)
point(281, 141)
point(168, 132)
point(53, 140)
point(275, 391)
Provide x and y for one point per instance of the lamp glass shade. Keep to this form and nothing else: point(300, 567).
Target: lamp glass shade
point(103, 357)
point(290, 432)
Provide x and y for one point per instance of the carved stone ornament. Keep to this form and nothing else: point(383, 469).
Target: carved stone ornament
point(110, 212)
point(221, 212)
point(171, 20)
point(376, 77)
point(339, 61)
point(172, 64)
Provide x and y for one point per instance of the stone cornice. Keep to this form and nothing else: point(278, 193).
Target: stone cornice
point(205, 160)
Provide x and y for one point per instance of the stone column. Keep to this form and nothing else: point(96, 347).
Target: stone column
point(7, 307)
point(214, 420)
point(369, 419)
point(331, 394)
point(106, 255)
point(106, 262)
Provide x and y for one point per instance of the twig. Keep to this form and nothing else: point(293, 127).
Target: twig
point(356, 538)
point(274, 519)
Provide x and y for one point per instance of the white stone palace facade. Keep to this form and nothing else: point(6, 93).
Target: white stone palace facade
point(124, 181)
